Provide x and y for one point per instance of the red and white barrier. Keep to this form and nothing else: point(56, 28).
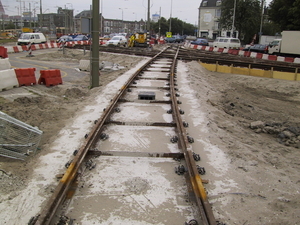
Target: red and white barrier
point(244, 53)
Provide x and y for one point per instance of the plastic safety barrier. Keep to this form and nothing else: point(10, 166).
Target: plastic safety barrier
point(5, 64)
point(26, 76)
point(8, 79)
point(3, 52)
point(50, 77)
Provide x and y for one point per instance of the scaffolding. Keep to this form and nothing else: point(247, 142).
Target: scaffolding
point(17, 139)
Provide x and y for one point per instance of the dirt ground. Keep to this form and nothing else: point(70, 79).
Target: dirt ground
point(254, 121)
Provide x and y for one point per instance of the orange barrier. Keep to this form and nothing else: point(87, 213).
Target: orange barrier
point(3, 52)
point(272, 57)
point(50, 77)
point(233, 51)
point(26, 76)
point(259, 55)
point(247, 53)
point(33, 48)
point(289, 59)
point(220, 50)
point(16, 49)
point(24, 47)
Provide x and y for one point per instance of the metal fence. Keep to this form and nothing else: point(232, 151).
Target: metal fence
point(17, 139)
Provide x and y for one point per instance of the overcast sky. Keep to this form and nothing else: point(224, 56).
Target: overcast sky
point(186, 10)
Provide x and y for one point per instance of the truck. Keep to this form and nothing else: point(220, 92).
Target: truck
point(266, 39)
point(287, 45)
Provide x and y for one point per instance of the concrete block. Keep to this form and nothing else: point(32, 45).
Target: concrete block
point(8, 79)
point(84, 65)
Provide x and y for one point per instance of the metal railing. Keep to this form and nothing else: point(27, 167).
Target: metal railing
point(17, 139)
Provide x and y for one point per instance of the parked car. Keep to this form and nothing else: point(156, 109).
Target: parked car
point(64, 38)
point(257, 48)
point(170, 39)
point(200, 41)
point(81, 38)
point(117, 41)
point(227, 42)
point(178, 38)
point(105, 37)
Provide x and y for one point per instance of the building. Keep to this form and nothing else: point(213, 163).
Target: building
point(208, 20)
point(118, 26)
point(107, 26)
point(155, 18)
point(60, 22)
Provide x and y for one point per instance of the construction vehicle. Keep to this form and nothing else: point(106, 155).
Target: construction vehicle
point(138, 40)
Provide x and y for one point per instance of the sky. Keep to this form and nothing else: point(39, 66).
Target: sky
point(185, 10)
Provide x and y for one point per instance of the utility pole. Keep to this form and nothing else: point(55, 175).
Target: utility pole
point(41, 16)
point(148, 17)
point(170, 16)
point(233, 18)
point(262, 19)
point(94, 81)
point(30, 15)
point(21, 15)
point(159, 22)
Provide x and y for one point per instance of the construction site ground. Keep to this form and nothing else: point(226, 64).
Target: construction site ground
point(252, 126)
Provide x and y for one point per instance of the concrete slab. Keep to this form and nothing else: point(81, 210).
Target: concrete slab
point(115, 192)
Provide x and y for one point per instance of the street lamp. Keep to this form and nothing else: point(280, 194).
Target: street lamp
point(21, 14)
point(122, 19)
point(135, 28)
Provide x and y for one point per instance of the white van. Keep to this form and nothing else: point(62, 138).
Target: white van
point(34, 38)
point(225, 42)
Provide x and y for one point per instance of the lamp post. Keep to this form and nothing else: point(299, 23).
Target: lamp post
point(123, 29)
point(134, 22)
point(21, 14)
point(122, 20)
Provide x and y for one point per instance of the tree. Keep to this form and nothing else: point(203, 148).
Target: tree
point(177, 26)
point(285, 13)
point(247, 17)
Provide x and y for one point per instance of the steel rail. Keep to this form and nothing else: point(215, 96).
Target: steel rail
point(195, 179)
point(212, 58)
point(59, 194)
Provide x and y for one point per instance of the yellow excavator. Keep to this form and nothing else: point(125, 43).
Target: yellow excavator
point(138, 40)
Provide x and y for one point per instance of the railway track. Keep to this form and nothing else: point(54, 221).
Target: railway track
point(208, 57)
point(143, 127)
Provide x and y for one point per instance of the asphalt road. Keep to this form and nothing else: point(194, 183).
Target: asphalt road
point(69, 70)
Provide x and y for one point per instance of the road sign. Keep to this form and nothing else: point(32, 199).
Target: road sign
point(168, 34)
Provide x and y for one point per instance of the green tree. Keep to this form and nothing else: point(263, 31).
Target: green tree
point(285, 13)
point(247, 17)
point(177, 27)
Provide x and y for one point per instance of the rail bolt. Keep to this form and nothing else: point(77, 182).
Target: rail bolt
point(201, 170)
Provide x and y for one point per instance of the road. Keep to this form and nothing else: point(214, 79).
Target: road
point(69, 69)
